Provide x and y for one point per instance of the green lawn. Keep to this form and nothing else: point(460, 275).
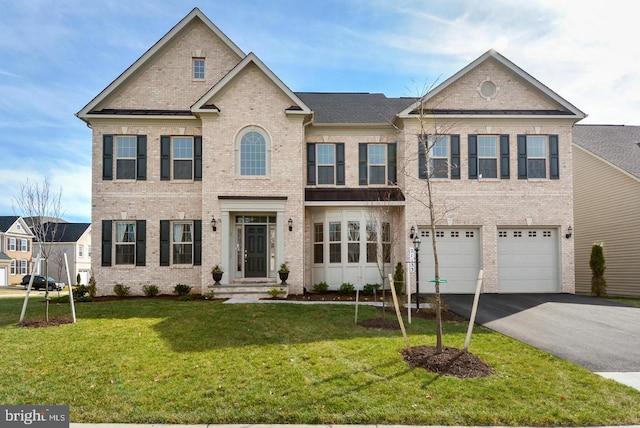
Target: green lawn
point(163, 361)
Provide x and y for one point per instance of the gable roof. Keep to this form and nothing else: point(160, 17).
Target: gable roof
point(353, 108)
point(616, 144)
point(66, 232)
point(6, 221)
point(569, 110)
point(87, 112)
point(202, 105)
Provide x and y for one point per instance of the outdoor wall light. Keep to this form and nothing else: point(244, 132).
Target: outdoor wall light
point(290, 222)
point(412, 232)
point(569, 232)
point(214, 224)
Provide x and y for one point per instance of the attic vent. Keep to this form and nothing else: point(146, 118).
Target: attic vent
point(487, 89)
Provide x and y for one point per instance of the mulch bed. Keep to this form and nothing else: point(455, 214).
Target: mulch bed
point(53, 322)
point(451, 362)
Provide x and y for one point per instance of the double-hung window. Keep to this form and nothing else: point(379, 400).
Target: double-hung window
point(377, 163)
point(198, 68)
point(325, 164)
point(12, 244)
point(353, 244)
point(335, 242)
point(182, 243)
point(372, 242)
point(439, 156)
point(253, 149)
point(318, 242)
point(538, 156)
point(125, 242)
point(24, 264)
point(181, 158)
point(487, 156)
point(14, 267)
point(24, 245)
point(130, 153)
point(80, 251)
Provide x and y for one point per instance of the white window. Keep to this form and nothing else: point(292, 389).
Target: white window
point(23, 267)
point(80, 250)
point(13, 267)
point(372, 242)
point(182, 243)
point(487, 156)
point(182, 158)
point(125, 240)
point(335, 242)
point(126, 152)
point(377, 159)
point(253, 153)
point(12, 244)
point(438, 156)
point(353, 245)
point(386, 242)
point(326, 164)
point(89, 250)
point(198, 68)
point(536, 156)
point(318, 243)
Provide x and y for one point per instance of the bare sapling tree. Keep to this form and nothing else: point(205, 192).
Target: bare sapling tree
point(433, 141)
point(43, 207)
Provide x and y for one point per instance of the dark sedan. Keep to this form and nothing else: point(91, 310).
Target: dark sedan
point(39, 282)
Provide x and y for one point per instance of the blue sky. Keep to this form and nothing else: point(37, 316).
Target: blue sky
point(56, 55)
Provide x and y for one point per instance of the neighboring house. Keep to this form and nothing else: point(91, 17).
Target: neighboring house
point(203, 156)
point(74, 240)
point(15, 249)
point(606, 184)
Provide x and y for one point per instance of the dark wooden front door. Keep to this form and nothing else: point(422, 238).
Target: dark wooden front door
point(255, 245)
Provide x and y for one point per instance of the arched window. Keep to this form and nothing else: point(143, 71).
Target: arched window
point(253, 149)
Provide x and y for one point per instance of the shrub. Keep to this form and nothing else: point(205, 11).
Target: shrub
point(182, 289)
point(80, 291)
point(150, 290)
point(92, 287)
point(121, 290)
point(275, 291)
point(321, 287)
point(346, 288)
point(371, 288)
point(398, 278)
point(210, 295)
point(78, 279)
point(598, 266)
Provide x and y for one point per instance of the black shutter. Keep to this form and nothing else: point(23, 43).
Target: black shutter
point(107, 157)
point(311, 163)
point(141, 242)
point(473, 156)
point(197, 242)
point(106, 242)
point(165, 157)
point(522, 157)
point(392, 160)
point(554, 160)
point(422, 156)
point(362, 164)
point(455, 157)
point(197, 158)
point(340, 164)
point(165, 242)
point(141, 159)
point(504, 156)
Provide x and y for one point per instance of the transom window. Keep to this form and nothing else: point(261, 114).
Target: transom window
point(126, 157)
point(198, 68)
point(487, 156)
point(182, 243)
point(438, 156)
point(377, 158)
point(182, 158)
point(253, 153)
point(125, 241)
point(326, 161)
point(536, 156)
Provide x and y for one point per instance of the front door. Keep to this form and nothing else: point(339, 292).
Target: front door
point(255, 248)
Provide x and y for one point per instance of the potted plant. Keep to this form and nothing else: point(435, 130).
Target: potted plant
point(283, 272)
point(216, 273)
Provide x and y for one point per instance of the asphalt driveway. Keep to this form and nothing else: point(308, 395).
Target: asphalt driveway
point(597, 334)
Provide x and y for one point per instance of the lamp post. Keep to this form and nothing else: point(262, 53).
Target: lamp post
point(416, 246)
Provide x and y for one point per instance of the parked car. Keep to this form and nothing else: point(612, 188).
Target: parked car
point(39, 282)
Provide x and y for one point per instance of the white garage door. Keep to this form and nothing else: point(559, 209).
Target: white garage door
point(528, 261)
point(458, 259)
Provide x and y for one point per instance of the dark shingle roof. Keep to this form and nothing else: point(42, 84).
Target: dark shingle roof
point(353, 108)
point(6, 221)
point(67, 232)
point(4, 257)
point(618, 144)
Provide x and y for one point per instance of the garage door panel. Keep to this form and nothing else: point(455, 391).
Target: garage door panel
point(528, 260)
point(458, 258)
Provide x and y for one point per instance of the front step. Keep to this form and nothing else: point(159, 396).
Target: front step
point(245, 290)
